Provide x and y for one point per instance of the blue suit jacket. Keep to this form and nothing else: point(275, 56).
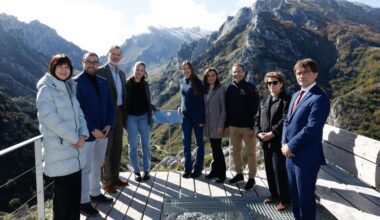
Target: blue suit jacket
point(304, 127)
point(98, 110)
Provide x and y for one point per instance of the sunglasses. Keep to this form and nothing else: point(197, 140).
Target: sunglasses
point(272, 82)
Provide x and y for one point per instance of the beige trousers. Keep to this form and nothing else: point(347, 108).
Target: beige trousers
point(237, 136)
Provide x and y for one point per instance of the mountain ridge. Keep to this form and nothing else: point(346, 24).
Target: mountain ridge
point(275, 34)
point(41, 38)
point(156, 47)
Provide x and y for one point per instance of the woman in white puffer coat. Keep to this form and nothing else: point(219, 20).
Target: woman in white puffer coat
point(64, 131)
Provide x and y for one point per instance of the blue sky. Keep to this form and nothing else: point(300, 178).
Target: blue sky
point(95, 25)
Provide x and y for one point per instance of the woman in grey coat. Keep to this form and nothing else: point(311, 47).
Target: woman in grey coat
point(215, 118)
point(64, 131)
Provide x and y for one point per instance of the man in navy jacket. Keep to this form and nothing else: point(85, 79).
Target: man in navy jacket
point(302, 138)
point(96, 103)
point(242, 102)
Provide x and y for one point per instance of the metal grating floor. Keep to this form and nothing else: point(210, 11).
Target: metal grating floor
point(235, 208)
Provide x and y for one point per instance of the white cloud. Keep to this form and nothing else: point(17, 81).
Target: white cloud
point(174, 13)
point(88, 24)
point(95, 25)
point(243, 3)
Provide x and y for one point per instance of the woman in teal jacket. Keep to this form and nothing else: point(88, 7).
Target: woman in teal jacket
point(64, 131)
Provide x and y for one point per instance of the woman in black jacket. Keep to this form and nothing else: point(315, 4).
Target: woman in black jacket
point(139, 119)
point(268, 127)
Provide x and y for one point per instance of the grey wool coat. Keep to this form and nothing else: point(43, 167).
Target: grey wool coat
point(215, 111)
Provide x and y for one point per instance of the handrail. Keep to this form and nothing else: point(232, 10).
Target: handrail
point(14, 179)
point(39, 179)
point(38, 160)
point(38, 166)
point(33, 197)
point(19, 145)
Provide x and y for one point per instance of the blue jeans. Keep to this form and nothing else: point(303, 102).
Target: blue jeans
point(139, 125)
point(187, 126)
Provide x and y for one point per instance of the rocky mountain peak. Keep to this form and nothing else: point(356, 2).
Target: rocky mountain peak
point(240, 20)
point(268, 5)
point(157, 46)
point(343, 37)
point(37, 25)
point(9, 22)
point(40, 37)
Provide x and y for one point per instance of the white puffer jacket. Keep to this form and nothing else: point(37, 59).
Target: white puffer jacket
point(61, 123)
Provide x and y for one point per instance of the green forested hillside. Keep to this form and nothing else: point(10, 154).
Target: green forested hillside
point(15, 126)
point(271, 35)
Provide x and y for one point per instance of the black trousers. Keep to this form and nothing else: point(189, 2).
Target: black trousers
point(218, 166)
point(112, 159)
point(66, 198)
point(275, 167)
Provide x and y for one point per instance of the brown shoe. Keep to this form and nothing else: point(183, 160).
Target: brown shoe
point(281, 207)
point(110, 189)
point(119, 182)
point(270, 200)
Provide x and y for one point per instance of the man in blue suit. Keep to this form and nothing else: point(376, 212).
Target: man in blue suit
point(97, 106)
point(302, 138)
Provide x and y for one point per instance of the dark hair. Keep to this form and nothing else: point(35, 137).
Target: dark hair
point(206, 85)
point(277, 75)
point(238, 64)
point(60, 59)
point(115, 47)
point(89, 54)
point(307, 63)
point(194, 80)
point(139, 63)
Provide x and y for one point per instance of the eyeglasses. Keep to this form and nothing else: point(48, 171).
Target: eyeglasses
point(272, 82)
point(92, 62)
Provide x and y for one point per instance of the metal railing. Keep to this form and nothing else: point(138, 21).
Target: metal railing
point(167, 116)
point(39, 173)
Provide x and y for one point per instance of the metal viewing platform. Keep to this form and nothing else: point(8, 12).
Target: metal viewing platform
point(347, 188)
point(169, 196)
